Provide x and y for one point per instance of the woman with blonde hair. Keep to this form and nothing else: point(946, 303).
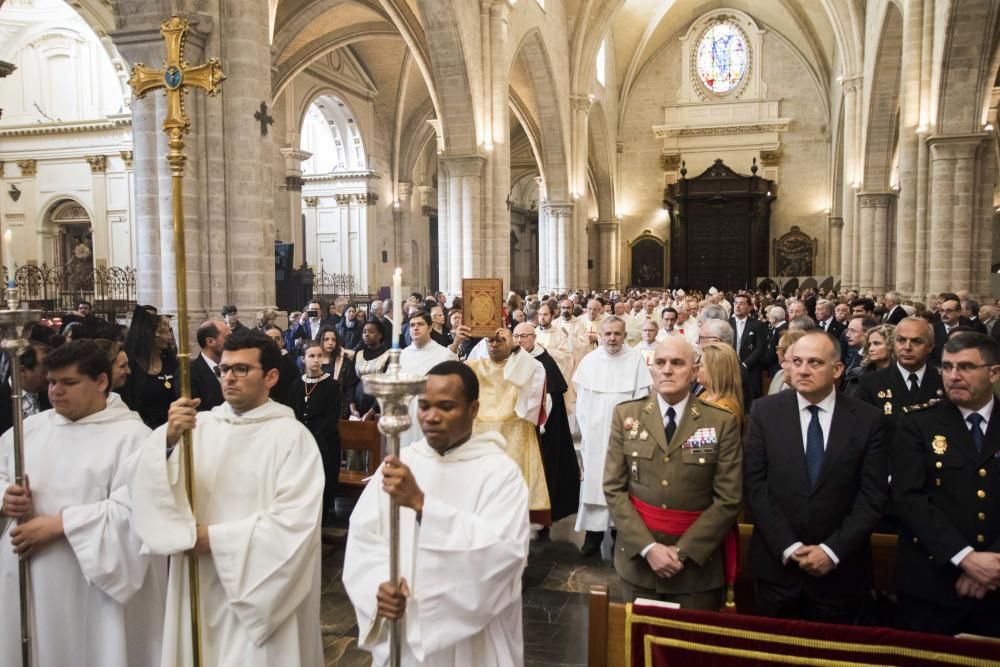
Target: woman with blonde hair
point(878, 352)
point(787, 339)
point(719, 373)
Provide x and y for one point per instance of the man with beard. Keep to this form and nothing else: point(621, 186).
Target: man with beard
point(562, 473)
point(512, 403)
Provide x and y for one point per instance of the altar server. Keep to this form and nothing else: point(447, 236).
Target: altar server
point(463, 539)
point(94, 599)
point(418, 358)
point(259, 491)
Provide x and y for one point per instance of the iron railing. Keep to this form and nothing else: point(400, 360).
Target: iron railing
point(59, 289)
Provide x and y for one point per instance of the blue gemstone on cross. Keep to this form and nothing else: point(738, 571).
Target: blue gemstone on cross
point(172, 77)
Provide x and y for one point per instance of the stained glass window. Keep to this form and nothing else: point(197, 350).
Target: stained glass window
point(722, 57)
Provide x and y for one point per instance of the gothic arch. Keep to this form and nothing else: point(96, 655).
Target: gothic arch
point(967, 66)
point(549, 116)
point(883, 125)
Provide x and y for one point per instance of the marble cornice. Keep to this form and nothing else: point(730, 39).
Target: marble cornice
point(342, 176)
point(67, 128)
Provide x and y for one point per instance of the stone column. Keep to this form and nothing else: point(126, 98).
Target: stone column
point(310, 212)
point(836, 236)
point(99, 222)
point(496, 259)
point(909, 121)
point(849, 256)
point(463, 246)
point(874, 241)
point(608, 259)
point(293, 187)
point(401, 218)
point(953, 214)
point(580, 148)
point(554, 264)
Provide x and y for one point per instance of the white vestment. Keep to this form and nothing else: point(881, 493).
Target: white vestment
point(602, 382)
point(463, 561)
point(417, 361)
point(95, 600)
point(259, 489)
point(557, 344)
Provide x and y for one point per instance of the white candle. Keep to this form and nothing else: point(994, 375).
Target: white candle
point(8, 255)
point(397, 305)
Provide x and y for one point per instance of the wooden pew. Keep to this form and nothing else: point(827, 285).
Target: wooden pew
point(365, 438)
point(606, 629)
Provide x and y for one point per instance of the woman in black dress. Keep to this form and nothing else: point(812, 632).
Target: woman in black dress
point(316, 399)
point(372, 358)
point(152, 384)
point(340, 366)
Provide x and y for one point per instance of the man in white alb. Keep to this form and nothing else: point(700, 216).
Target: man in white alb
point(94, 599)
point(417, 358)
point(463, 539)
point(259, 492)
point(611, 374)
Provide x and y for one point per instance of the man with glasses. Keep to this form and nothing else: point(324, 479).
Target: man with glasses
point(946, 486)
point(951, 317)
point(259, 486)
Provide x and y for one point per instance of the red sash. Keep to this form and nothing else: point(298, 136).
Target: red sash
point(676, 522)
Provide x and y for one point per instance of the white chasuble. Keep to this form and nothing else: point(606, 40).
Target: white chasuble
point(417, 361)
point(602, 382)
point(463, 561)
point(259, 489)
point(94, 599)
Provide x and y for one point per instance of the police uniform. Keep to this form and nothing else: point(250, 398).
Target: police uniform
point(948, 497)
point(889, 391)
point(699, 470)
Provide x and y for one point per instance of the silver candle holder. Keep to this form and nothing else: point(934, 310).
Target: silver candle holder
point(395, 391)
point(12, 322)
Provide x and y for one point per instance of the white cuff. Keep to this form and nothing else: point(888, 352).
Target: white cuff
point(787, 553)
point(829, 552)
point(645, 549)
point(957, 558)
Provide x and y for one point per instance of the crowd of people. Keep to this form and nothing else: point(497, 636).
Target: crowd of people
point(660, 419)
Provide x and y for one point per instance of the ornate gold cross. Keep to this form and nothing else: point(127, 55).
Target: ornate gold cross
point(175, 78)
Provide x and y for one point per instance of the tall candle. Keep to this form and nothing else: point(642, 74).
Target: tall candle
point(397, 305)
point(8, 255)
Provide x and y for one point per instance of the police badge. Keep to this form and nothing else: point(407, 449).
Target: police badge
point(887, 408)
point(940, 445)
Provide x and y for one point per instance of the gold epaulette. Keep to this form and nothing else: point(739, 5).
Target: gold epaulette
point(921, 406)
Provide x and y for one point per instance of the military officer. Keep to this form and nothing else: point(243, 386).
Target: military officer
point(946, 486)
point(673, 483)
point(908, 381)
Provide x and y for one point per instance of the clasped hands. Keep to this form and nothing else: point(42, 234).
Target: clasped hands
point(664, 560)
point(813, 560)
point(33, 532)
point(980, 574)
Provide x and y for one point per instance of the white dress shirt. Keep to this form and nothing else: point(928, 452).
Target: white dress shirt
point(985, 411)
point(825, 419)
point(906, 374)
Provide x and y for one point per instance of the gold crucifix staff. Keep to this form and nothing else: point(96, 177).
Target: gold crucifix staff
point(175, 78)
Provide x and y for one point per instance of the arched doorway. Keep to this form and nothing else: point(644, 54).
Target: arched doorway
point(74, 236)
point(647, 259)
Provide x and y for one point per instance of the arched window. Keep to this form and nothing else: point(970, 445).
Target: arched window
point(601, 62)
point(330, 133)
point(722, 58)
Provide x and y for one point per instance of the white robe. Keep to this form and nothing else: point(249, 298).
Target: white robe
point(463, 561)
point(95, 600)
point(602, 382)
point(417, 361)
point(259, 489)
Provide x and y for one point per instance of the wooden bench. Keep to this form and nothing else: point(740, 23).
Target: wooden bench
point(365, 438)
point(606, 630)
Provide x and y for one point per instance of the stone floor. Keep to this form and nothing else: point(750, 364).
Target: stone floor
point(556, 582)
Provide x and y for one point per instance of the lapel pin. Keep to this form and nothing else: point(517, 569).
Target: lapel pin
point(940, 445)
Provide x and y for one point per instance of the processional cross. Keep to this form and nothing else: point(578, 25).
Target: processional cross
point(175, 79)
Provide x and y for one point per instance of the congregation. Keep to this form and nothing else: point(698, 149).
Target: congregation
point(661, 419)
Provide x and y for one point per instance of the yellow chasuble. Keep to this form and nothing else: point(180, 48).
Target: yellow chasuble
point(499, 400)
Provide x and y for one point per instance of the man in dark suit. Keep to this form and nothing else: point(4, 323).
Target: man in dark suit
point(815, 477)
point(308, 326)
point(750, 341)
point(204, 383)
point(776, 319)
point(951, 315)
point(894, 310)
point(825, 319)
point(970, 316)
point(946, 489)
point(34, 386)
point(910, 380)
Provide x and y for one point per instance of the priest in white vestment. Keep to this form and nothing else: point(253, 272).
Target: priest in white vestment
point(94, 599)
point(259, 492)
point(417, 358)
point(611, 374)
point(463, 540)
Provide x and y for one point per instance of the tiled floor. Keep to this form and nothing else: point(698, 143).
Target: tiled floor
point(554, 600)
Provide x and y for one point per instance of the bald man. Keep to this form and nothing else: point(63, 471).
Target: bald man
point(205, 385)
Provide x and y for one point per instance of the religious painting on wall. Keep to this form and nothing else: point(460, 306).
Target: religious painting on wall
point(647, 262)
point(794, 254)
point(483, 312)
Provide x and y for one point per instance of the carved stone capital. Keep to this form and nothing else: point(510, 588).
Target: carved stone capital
point(836, 222)
point(404, 190)
point(365, 198)
point(294, 183)
point(311, 202)
point(343, 200)
point(559, 210)
point(28, 168)
point(875, 199)
point(771, 158)
point(581, 103)
point(127, 158)
point(851, 84)
point(670, 162)
point(98, 163)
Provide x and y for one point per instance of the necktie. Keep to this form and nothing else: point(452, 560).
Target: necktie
point(914, 384)
point(671, 425)
point(975, 419)
point(814, 446)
